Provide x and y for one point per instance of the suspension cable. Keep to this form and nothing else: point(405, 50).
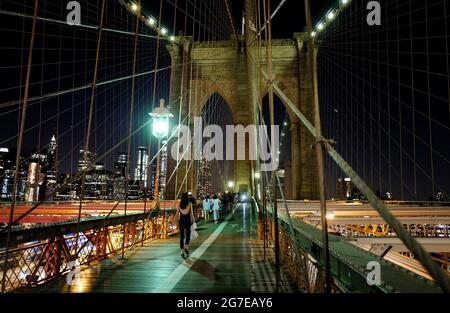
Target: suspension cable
point(20, 142)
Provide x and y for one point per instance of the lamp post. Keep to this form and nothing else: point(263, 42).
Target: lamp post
point(160, 129)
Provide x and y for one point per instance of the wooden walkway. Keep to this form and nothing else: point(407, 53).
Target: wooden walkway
point(225, 258)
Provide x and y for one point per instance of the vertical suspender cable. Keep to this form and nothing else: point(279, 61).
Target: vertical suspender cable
point(430, 128)
point(413, 102)
point(230, 17)
point(202, 87)
point(388, 81)
point(180, 108)
point(148, 181)
point(402, 197)
point(379, 116)
point(364, 66)
point(272, 140)
point(447, 53)
point(55, 165)
point(91, 111)
point(196, 100)
point(319, 146)
point(130, 126)
point(156, 191)
point(180, 100)
point(265, 185)
point(73, 100)
point(42, 92)
point(371, 124)
point(191, 76)
point(19, 142)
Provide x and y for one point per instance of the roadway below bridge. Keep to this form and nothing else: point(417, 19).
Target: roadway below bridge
point(67, 211)
point(362, 226)
point(365, 210)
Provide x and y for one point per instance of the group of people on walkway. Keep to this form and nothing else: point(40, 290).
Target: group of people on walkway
point(211, 205)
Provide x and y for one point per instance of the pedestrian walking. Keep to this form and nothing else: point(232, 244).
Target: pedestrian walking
point(224, 200)
point(230, 201)
point(206, 207)
point(216, 208)
point(185, 216)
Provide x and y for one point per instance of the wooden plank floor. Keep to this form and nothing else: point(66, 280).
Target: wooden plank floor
point(233, 262)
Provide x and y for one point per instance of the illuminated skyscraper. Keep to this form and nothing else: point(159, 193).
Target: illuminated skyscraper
point(344, 188)
point(35, 177)
point(120, 170)
point(204, 177)
point(51, 168)
point(3, 158)
point(90, 161)
point(140, 172)
point(6, 174)
point(99, 183)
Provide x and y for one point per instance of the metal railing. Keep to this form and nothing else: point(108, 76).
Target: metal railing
point(302, 263)
point(40, 255)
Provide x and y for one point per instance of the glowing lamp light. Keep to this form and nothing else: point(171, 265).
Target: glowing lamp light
point(151, 21)
point(163, 31)
point(134, 7)
point(320, 26)
point(330, 216)
point(172, 38)
point(331, 15)
point(257, 175)
point(313, 34)
point(160, 126)
point(230, 184)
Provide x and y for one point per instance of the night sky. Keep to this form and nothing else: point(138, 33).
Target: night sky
point(357, 66)
point(384, 93)
point(69, 53)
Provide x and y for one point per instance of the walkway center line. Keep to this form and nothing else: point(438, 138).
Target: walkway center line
point(184, 267)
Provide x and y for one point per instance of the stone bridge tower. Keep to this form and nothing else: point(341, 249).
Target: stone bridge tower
point(201, 69)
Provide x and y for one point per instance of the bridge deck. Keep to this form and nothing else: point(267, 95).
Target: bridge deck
point(225, 258)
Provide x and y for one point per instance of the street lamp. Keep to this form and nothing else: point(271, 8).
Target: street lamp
point(160, 116)
point(160, 129)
